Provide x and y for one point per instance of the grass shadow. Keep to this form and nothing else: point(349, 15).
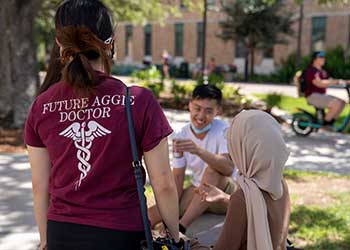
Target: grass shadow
point(322, 228)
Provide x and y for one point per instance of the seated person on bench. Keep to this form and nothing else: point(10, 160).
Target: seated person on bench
point(201, 146)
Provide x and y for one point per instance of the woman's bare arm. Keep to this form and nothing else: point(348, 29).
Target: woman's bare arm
point(40, 165)
point(163, 184)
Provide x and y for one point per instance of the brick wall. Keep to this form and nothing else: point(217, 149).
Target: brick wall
point(163, 36)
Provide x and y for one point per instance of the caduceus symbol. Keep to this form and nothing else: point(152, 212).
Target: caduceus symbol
point(83, 138)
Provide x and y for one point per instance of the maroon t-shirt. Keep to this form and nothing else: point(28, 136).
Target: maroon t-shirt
point(311, 74)
point(92, 180)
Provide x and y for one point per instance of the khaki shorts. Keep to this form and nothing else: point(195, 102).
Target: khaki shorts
point(215, 208)
point(320, 100)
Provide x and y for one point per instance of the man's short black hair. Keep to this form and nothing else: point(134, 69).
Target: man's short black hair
point(207, 92)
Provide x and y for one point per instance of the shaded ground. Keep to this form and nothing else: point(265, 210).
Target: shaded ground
point(17, 224)
point(328, 152)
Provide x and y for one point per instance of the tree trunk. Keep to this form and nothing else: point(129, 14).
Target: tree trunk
point(252, 60)
point(18, 75)
point(246, 65)
point(300, 32)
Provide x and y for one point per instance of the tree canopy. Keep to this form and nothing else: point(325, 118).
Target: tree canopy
point(258, 24)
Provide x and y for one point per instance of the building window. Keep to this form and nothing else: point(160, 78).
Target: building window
point(128, 36)
point(211, 3)
point(179, 39)
point(148, 40)
point(240, 49)
point(199, 39)
point(318, 33)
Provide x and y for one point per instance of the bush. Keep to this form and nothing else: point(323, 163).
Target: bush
point(181, 91)
point(149, 78)
point(214, 79)
point(151, 74)
point(156, 88)
point(336, 65)
point(272, 100)
point(124, 69)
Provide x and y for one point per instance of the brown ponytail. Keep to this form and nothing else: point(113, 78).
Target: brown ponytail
point(82, 26)
point(79, 45)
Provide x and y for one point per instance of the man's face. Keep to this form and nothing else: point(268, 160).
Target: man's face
point(202, 112)
point(320, 61)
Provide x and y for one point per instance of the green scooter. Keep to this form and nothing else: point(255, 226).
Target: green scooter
point(304, 122)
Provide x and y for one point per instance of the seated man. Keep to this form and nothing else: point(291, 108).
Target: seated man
point(201, 146)
point(317, 80)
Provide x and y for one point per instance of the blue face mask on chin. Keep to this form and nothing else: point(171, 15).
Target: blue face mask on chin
point(200, 131)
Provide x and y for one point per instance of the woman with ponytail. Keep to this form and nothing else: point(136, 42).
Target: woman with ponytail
point(84, 190)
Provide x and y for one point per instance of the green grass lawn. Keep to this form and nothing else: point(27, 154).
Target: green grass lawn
point(316, 223)
point(325, 228)
point(290, 104)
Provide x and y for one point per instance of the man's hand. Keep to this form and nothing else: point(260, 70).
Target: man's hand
point(187, 145)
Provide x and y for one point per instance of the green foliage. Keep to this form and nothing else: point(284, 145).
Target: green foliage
point(214, 79)
point(124, 69)
point(156, 88)
point(336, 65)
point(181, 91)
point(149, 78)
point(257, 24)
point(272, 100)
point(232, 93)
point(150, 74)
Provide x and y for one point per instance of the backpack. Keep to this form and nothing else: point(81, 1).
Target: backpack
point(300, 81)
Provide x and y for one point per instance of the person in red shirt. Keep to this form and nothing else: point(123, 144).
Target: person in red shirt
point(317, 80)
point(84, 189)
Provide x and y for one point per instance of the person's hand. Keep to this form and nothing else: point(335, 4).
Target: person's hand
point(341, 82)
point(210, 193)
point(187, 145)
point(42, 246)
point(159, 230)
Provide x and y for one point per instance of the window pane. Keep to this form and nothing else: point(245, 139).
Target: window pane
point(179, 37)
point(148, 40)
point(128, 36)
point(318, 35)
point(199, 39)
point(211, 3)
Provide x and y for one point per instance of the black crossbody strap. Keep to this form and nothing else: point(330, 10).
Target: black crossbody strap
point(138, 173)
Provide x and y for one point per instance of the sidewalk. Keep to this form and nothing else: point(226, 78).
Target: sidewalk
point(328, 152)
